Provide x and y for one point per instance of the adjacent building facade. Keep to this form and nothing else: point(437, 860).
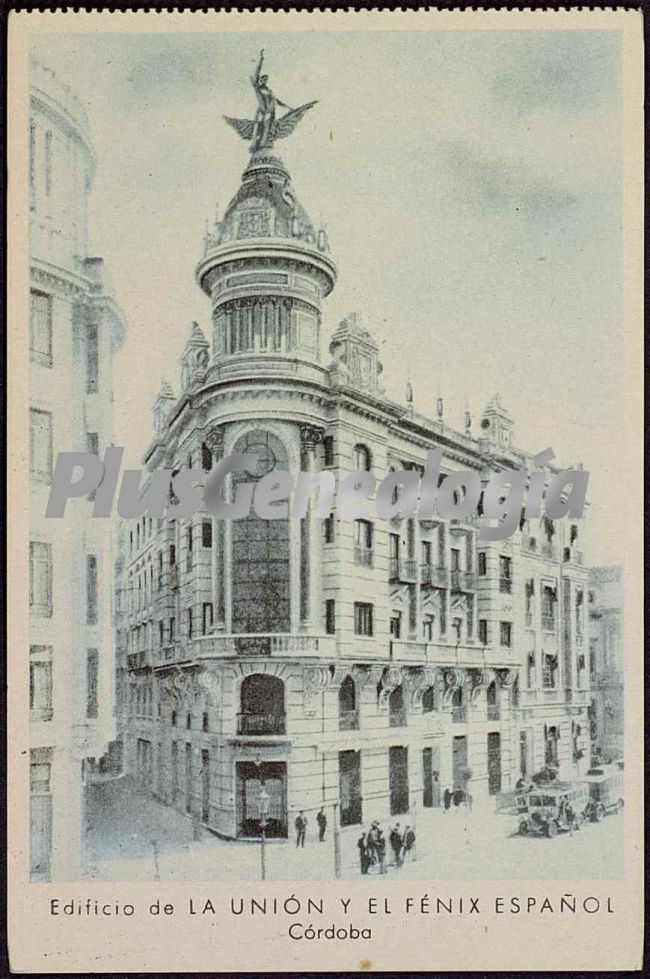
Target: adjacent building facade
point(606, 659)
point(75, 328)
point(365, 665)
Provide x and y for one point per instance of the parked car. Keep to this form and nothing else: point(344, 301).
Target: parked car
point(605, 785)
point(546, 808)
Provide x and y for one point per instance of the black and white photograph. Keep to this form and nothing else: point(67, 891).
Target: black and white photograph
point(334, 423)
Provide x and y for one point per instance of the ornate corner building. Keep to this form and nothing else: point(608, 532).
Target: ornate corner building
point(364, 666)
point(75, 327)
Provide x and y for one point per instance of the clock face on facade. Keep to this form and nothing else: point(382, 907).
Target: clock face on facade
point(265, 459)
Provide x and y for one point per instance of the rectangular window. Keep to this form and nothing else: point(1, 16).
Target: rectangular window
point(206, 723)
point(328, 451)
point(172, 629)
point(92, 683)
point(172, 554)
point(482, 563)
point(40, 683)
point(427, 628)
point(39, 776)
point(207, 617)
point(188, 553)
point(190, 623)
point(161, 633)
point(206, 458)
point(92, 359)
point(426, 553)
point(483, 631)
point(330, 616)
point(92, 446)
point(363, 543)
point(91, 589)
point(32, 166)
point(328, 529)
point(40, 578)
point(48, 163)
point(40, 445)
point(363, 619)
point(40, 328)
point(506, 633)
point(505, 574)
point(160, 570)
point(206, 533)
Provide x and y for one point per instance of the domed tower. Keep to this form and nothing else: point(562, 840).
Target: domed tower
point(265, 266)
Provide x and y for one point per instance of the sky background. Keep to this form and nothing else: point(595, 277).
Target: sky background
point(471, 187)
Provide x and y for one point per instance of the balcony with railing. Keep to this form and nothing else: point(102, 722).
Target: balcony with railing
point(217, 645)
point(463, 581)
point(173, 576)
point(437, 577)
point(459, 714)
point(505, 585)
point(493, 712)
point(363, 556)
point(548, 550)
point(402, 569)
point(348, 720)
point(259, 725)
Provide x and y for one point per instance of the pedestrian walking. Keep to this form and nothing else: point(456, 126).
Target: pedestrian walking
point(447, 798)
point(364, 858)
point(380, 849)
point(396, 845)
point(371, 843)
point(301, 828)
point(321, 819)
point(409, 842)
point(570, 816)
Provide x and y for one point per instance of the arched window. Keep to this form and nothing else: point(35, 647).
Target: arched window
point(260, 549)
point(492, 702)
point(428, 700)
point(262, 705)
point(361, 458)
point(348, 714)
point(397, 713)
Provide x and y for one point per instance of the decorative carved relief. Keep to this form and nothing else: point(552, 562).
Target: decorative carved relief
point(453, 680)
point(314, 680)
point(214, 439)
point(417, 680)
point(390, 681)
point(478, 681)
point(505, 677)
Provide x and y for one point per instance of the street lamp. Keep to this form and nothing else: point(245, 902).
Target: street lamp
point(264, 799)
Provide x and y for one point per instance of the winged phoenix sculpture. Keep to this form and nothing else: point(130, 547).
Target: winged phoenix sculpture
point(265, 128)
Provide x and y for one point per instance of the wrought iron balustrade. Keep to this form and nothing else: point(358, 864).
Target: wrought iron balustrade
point(261, 724)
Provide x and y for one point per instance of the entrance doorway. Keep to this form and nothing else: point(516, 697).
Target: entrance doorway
point(459, 763)
point(398, 779)
point(494, 762)
point(250, 778)
point(350, 787)
point(431, 777)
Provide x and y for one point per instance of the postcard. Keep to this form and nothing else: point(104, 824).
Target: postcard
point(325, 491)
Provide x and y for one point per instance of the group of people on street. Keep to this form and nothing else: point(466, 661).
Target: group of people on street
point(301, 826)
point(372, 847)
point(457, 797)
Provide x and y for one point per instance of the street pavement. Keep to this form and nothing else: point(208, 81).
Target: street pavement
point(134, 837)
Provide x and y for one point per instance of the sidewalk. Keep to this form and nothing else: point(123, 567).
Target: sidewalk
point(450, 845)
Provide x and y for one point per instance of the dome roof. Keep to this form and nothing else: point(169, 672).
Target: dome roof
point(266, 206)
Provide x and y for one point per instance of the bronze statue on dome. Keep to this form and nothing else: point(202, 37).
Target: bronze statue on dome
point(265, 128)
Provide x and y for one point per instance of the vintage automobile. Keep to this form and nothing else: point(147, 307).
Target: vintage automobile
point(605, 785)
point(546, 808)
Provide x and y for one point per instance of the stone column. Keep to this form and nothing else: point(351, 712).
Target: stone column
point(310, 437)
point(214, 439)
